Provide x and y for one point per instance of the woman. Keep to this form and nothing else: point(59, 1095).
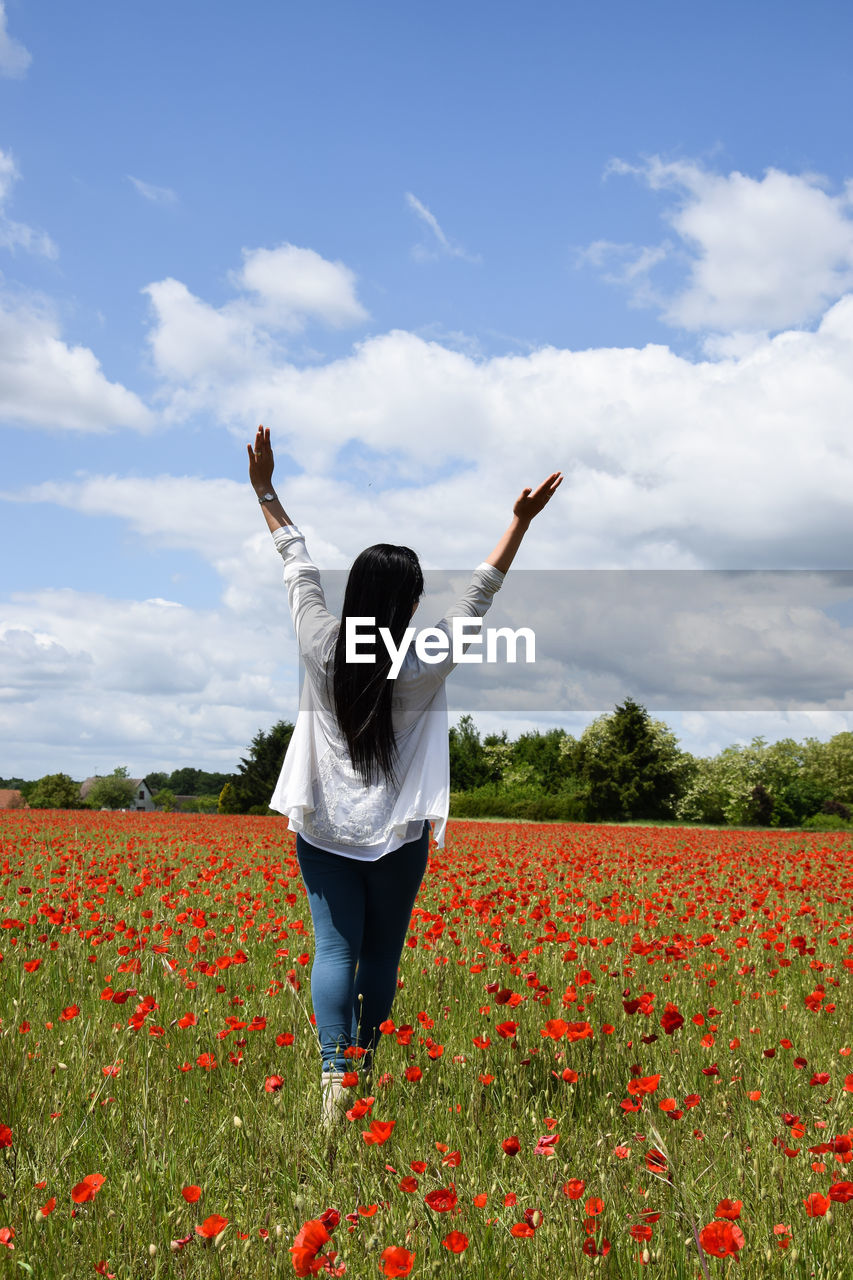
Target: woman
point(367, 768)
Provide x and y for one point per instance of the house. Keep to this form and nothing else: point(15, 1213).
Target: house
point(143, 801)
point(12, 800)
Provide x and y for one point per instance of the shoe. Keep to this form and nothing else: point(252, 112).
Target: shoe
point(332, 1093)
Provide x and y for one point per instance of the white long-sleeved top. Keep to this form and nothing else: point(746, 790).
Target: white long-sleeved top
point(318, 789)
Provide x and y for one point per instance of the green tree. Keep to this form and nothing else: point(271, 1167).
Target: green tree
point(829, 766)
point(165, 799)
point(227, 800)
point(55, 791)
point(258, 772)
point(157, 781)
point(632, 766)
point(469, 765)
point(115, 791)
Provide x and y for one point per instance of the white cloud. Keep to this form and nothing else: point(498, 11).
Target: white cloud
point(293, 285)
point(744, 460)
point(283, 290)
point(46, 382)
point(156, 195)
point(14, 58)
point(17, 235)
point(89, 682)
point(440, 245)
point(761, 254)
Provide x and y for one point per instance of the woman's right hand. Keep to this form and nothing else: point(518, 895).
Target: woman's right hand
point(261, 461)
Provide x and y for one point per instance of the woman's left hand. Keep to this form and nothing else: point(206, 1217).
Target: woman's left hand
point(261, 461)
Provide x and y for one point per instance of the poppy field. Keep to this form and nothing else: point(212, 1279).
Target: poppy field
point(616, 1051)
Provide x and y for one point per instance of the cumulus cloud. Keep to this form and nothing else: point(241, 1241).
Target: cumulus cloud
point(760, 253)
point(89, 682)
point(152, 193)
point(439, 245)
point(283, 290)
point(292, 285)
point(46, 382)
point(14, 58)
point(17, 235)
point(744, 460)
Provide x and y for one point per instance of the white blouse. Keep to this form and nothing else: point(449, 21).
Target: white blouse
point(318, 789)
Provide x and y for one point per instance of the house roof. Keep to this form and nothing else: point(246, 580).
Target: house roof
point(86, 787)
point(12, 800)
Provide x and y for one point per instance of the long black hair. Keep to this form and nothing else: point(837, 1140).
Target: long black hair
point(385, 583)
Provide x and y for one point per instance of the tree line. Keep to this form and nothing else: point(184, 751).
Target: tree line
point(624, 767)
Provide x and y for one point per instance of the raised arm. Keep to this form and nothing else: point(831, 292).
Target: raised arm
point(527, 505)
point(261, 464)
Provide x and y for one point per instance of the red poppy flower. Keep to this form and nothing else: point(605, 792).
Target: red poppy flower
point(671, 1019)
point(360, 1108)
point(522, 1230)
point(728, 1209)
point(396, 1261)
point(273, 1083)
point(379, 1132)
point(191, 1194)
point(443, 1199)
point(574, 1188)
point(408, 1184)
point(305, 1249)
point(48, 1208)
point(413, 1074)
point(5, 1136)
point(70, 1012)
point(212, 1226)
point(722, 1239)
point(644, 1085)
point(511, 1146)
point(641, 1232)
point(581, 1031)
point(7, 1234)
point(594, 1206)
point(456, 1242)
point(816, 1205)
point(88, 1188)
point(554, 1029)
point(506, 1029)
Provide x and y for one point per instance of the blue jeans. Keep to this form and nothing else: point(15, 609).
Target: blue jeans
point(360, 912)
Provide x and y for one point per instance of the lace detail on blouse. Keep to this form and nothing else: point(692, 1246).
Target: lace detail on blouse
point(345, 810)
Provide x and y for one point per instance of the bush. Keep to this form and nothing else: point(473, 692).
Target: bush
point(827, 822)
point(524, 801)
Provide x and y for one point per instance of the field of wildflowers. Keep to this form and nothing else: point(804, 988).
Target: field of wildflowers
point(623, 1051)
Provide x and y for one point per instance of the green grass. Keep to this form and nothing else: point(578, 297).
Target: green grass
point(261, 1158)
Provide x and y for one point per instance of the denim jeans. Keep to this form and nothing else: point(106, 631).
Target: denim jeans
point(361, 912)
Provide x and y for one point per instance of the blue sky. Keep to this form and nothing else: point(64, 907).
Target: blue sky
point(440, 250)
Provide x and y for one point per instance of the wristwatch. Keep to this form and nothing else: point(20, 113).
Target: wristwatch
point(266, 497)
